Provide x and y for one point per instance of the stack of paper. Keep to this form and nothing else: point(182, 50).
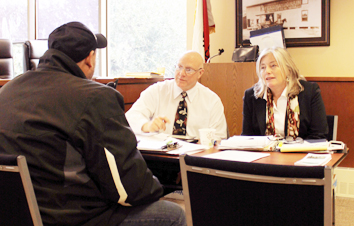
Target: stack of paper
point(312, 159)
point(144, 75)
point(306, 146)
point(251, 143)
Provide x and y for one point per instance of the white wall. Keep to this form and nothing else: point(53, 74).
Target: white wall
point(330, 61)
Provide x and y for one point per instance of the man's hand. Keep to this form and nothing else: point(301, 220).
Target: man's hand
point(156, 125)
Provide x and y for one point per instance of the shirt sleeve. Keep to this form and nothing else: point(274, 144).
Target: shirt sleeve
point(143, 109)
point(218, 120)
point(109, 149)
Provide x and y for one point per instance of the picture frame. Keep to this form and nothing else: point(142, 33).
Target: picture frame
point(304, 22)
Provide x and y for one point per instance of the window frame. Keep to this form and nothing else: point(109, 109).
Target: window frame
point(102, 59)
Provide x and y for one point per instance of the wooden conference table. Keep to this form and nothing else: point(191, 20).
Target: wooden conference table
point(171, 162)
point(276, 158)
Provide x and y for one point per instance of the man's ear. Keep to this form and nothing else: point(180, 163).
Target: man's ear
point(89, 60)
point(201, 72)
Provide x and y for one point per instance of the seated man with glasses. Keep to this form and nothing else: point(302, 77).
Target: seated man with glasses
point(180, 106)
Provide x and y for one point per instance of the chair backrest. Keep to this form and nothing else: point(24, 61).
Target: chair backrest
point(36, 49)
point(332, 121)
point(6, 59)
point(18, 202)
point(220, 192)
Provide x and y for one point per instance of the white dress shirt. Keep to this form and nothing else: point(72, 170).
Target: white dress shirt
point(279, 110)
point(205, 109)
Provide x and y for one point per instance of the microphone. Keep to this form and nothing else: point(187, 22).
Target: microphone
point(113, 84)
point(220, 52)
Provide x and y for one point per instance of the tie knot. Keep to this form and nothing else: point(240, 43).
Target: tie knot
point(184, 94)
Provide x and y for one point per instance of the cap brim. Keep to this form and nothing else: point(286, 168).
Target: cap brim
point(101, 41)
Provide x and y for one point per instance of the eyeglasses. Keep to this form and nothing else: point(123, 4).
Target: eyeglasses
point(171, 146)
point(287, 140)
point(276, 137)
point(189, 71)
point(292, 140)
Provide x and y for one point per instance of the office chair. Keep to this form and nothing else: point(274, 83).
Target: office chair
point(332, 121)
point(18, 202)
point(6, 59)
point(35, 50)
point(218, 192)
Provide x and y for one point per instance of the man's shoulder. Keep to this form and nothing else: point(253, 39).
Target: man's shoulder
point(161, 86)
point(207, 94)
point(85, 88)
point(165, 83)
point(205, 90)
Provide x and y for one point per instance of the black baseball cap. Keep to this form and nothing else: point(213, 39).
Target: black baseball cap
point(75, 40)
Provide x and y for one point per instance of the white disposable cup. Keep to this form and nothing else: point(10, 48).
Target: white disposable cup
point(207, 137)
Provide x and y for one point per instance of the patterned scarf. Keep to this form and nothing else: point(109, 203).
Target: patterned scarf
point(292, 113)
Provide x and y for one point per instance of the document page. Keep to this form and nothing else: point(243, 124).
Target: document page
point(158, 141)
point(314, 160)
point(239, 156)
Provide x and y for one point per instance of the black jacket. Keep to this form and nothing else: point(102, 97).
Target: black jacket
point(313, 121)
point(80, 150)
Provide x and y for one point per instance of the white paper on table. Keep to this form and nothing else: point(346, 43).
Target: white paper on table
point(240, 156)
point(314, 160)
point(157, 141)
point(242, 142)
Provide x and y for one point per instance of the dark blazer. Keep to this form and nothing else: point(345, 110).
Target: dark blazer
point(313, 121)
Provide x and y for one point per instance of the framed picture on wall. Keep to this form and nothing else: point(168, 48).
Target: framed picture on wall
point(304, 22)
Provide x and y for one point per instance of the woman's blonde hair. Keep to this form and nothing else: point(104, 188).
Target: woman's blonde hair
point(288, 70)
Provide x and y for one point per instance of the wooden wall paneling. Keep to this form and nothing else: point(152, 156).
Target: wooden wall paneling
point(229, 81)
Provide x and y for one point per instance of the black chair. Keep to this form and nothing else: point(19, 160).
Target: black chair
point(6, 59)
point(35, 50)
point(17, 199)
point(332, 121)
point(219, 192)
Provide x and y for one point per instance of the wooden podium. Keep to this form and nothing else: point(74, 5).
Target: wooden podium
point(229, 81)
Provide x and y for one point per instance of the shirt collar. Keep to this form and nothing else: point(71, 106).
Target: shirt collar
point(283, 94)
point(191, 93)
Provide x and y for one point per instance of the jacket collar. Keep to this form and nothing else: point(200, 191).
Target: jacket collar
point(260, 108)
point(56, 60)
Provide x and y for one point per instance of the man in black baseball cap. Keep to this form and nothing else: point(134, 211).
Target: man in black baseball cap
point(80, 150)
point(78, 42)
point(75, 40)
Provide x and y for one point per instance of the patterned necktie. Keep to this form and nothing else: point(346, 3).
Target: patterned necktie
point(179, 127)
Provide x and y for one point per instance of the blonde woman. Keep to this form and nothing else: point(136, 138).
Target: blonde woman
point(282, 102)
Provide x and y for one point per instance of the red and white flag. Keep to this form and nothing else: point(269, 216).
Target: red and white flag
point(203, 26)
